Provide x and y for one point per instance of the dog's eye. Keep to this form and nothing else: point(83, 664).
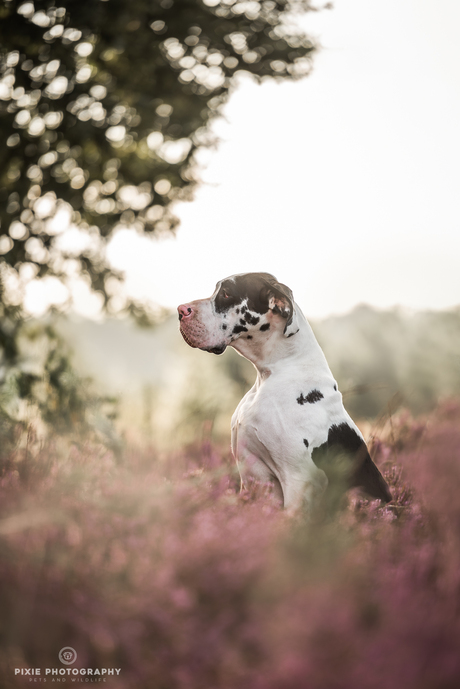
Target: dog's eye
point(225, 294)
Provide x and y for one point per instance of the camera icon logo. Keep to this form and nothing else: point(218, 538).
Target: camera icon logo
point(67, 655)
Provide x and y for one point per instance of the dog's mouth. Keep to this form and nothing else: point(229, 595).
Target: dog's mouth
point(187, 340)
point(219, 349)
point(215, 350)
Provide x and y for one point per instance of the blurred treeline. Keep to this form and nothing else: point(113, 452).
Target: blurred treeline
point(169, 392)
point(385, 357)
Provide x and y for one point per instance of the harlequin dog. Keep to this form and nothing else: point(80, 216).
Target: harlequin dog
point(291, 428)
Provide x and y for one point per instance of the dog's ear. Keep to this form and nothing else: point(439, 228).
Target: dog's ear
point(281, 300)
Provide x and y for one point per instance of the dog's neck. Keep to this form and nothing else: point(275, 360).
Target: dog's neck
point(269, 351)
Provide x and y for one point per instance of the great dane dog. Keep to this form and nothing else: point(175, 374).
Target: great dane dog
point(291, 428)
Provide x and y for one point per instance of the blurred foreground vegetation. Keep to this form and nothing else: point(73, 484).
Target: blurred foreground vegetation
point(159, 568)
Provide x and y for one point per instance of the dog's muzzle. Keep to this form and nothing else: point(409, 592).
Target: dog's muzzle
point(195, 332)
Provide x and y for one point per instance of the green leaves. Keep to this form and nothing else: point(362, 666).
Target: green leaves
point(103, 104)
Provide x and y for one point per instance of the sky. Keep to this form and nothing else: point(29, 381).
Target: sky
point(345, 185)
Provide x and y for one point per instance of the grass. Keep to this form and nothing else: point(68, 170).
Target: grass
point(158, 567)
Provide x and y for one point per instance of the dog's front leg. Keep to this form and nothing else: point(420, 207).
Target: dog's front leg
point(252, 468)
point(303, 493)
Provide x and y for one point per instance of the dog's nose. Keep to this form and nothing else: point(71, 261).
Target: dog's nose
point(185, 311)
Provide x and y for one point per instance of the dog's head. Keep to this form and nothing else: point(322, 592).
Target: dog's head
point(245, 305)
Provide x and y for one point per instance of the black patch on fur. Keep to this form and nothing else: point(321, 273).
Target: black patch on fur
point(335, 388)
point(265, 326)
point(244, 309)
point(305, 442)
point(359, 470)
point(311, 398)
point(224, 327)
point(232, 297)
point(249, 318)
point(257, 289)
point(291, 334)
point(249, 337)
point(314, 396)
point(242, 321)
point(239, 329)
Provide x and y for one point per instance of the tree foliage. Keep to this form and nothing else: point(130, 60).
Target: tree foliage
point(103, 106)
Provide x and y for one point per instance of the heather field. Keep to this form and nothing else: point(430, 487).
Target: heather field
point(153, 564)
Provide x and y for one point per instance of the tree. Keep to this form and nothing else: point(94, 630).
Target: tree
point(103, 106)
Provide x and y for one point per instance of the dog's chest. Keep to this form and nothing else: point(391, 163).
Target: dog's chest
point(284, 416)
point(266, 418)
